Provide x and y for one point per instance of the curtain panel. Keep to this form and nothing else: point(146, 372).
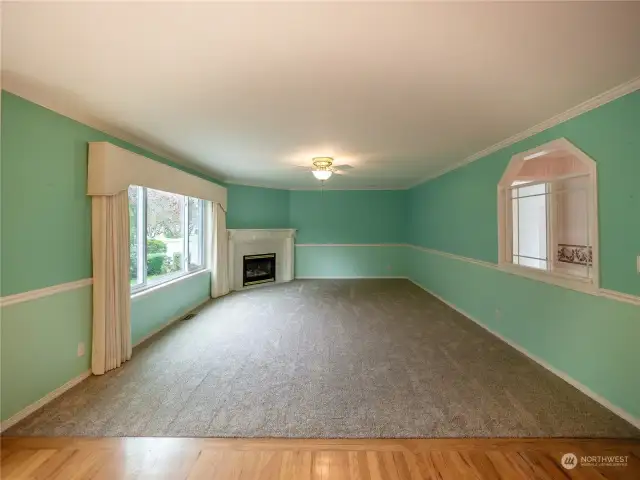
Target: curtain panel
point(219, 269)
point(111, 344)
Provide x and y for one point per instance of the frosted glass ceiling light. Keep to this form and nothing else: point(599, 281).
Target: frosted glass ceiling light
point(322, 169)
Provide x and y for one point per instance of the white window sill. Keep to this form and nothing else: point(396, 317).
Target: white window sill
point(171, 281)
point(585, 285)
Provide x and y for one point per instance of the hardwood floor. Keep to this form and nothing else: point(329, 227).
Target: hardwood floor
point(240, 459)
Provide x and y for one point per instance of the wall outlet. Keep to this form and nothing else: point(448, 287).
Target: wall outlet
point(498, 314)
point(638, 263)
point(389, 266)
point(81, 349)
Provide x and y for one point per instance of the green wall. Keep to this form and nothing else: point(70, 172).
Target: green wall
point(255, 207)
point(592, 339)
point(349, 216)
point(39, 341)
point(354, 218)
point(46, 222)
point(152, 311)
point(457, 212)
point(46, 213)
point(46, 240)
point(357, 218)
point(350, 261)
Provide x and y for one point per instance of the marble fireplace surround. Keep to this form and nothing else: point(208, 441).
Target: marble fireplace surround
point(256, 242)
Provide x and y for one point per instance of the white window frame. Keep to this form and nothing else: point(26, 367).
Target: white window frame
point(505, 220)
point(201, 229)
point(142, 243)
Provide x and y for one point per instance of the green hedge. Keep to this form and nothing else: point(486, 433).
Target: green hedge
point(157, 264)
point(156, 246)
point(157, 260)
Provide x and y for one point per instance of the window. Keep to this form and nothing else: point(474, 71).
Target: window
point(548, 216)
point(166, 236)
point(529, 205)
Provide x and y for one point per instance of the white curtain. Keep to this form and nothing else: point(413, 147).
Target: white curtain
point(219, 269)
point(111, 289)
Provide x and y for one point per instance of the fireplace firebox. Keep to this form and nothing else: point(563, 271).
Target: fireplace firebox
point(258, 269)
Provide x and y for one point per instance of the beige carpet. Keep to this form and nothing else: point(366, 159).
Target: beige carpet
point(324, 358)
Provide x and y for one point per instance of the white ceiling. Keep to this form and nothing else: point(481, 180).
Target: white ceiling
point(245, 91)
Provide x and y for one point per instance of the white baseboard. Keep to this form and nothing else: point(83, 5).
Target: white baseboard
point(171, 320)
point(25, 412)
point(633, 420)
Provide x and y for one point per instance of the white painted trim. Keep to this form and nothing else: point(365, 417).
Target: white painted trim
point(25, 412)
point(279, 241)
point(505, 218)
point(583, 285)
point(260, 234)
point(44, 292)
point(39, 95)
point(154, 288)
point(28, 410)
point(453, 256)
point(594, 102)
point(351, 245)
point(171, 321)
point(600, 292)
point(620, 297)
point(635, 421)
point(42, 95)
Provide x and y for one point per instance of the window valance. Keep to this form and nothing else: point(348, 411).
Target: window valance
point(112, 169)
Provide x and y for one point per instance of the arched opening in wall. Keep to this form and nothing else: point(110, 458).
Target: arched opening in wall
point(548, 222)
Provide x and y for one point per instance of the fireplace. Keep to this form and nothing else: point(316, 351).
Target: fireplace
point(258, 269)
point(247, 243)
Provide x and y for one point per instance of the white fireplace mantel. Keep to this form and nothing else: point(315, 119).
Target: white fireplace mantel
point(256, 242)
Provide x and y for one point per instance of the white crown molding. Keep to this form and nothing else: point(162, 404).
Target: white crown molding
point(40, 96)
point(28, 410)
point(44, 292)
point(69, 106)
point(633, 420)
point(592, 103)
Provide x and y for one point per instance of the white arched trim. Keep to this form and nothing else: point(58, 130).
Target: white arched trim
point(112, 169)
point(556, 149)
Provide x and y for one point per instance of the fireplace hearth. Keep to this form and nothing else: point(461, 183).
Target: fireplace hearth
point(258, 269)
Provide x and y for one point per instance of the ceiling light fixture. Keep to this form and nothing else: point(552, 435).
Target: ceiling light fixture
point(322, 168)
